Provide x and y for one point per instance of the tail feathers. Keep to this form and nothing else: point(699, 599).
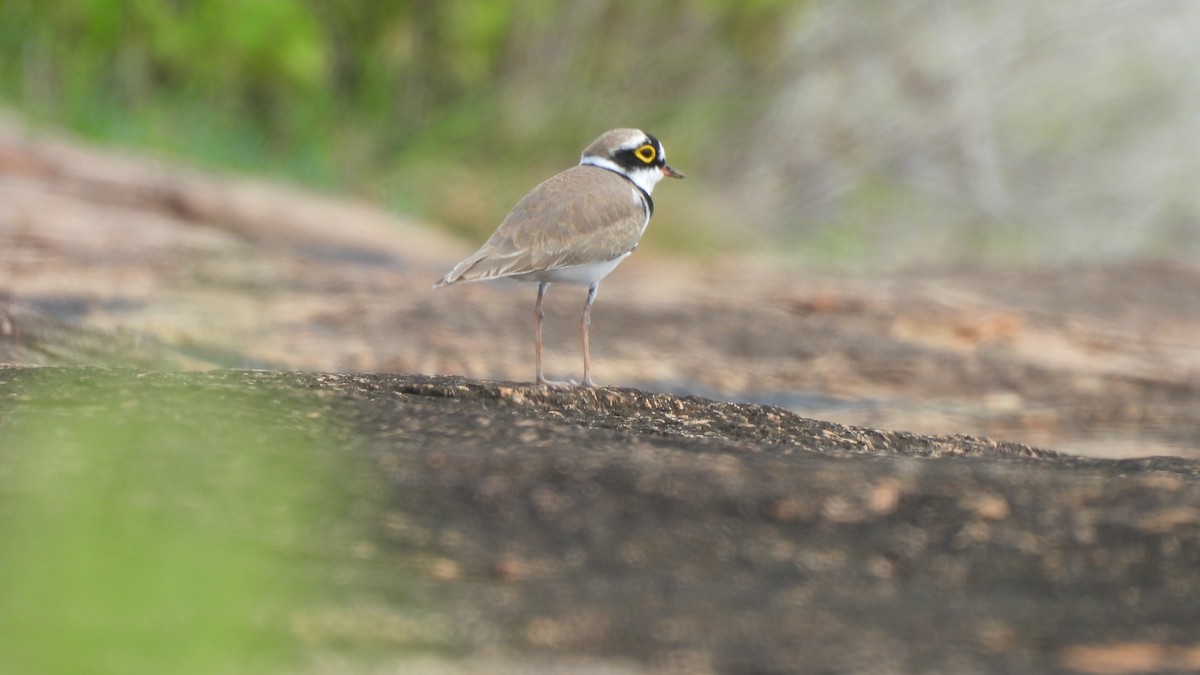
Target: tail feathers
point(456, 275)
point(451, 278)
point(445, 281)
point(467, 270)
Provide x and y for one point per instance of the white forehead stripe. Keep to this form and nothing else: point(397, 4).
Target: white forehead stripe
point(602, 162)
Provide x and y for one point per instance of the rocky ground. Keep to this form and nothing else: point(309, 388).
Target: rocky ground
point(615, 531)
point(1093, 359)
point(1093, 385)
point(619, 530)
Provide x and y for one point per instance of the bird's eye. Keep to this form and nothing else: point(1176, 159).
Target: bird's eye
point(646, 153)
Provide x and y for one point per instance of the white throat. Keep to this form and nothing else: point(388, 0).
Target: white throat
point(645, 178)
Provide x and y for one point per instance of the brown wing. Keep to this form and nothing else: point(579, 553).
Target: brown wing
point(583, 215)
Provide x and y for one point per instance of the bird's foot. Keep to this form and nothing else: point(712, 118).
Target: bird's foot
point(569, 384)
point(553, 384)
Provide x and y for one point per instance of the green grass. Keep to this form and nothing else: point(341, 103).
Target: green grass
point(176, 530)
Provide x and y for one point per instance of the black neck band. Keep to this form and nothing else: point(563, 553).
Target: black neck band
point(649, 200)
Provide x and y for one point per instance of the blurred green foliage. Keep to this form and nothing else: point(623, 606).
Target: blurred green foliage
point(153, 528)
point(884, 133)
point(405, 102)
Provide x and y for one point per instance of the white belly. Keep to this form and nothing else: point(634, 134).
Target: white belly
point(584, 275)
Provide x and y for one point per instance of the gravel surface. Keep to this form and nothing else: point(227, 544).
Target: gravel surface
point(639, 530)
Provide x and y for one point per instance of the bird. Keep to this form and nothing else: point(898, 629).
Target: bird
point(575, 228)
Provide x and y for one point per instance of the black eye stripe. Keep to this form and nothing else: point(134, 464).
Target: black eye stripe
point(630, 159)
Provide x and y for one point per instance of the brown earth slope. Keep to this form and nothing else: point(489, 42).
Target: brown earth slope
point(188, 270)
point(507, 528)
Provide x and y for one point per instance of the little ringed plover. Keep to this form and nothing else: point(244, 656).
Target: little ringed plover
point(575, 228)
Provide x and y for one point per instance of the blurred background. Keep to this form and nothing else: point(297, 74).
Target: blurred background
point(837, 134)
point(932, 216)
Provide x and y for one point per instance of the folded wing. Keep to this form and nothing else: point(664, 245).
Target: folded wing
point(581, 216)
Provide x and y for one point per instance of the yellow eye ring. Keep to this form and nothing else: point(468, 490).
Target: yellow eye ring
point(646, 153)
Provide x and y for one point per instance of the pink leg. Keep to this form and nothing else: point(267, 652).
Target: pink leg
point(538, 315)
point(584, 323)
